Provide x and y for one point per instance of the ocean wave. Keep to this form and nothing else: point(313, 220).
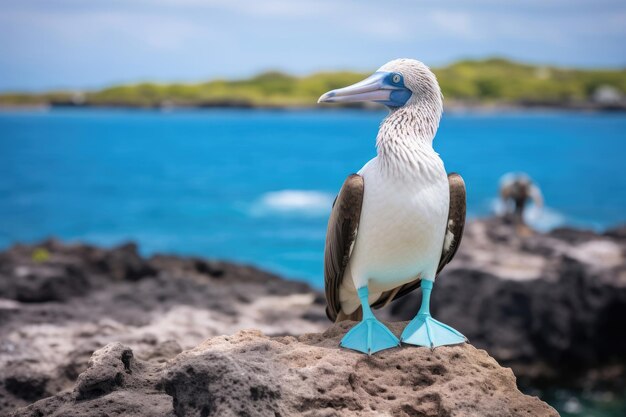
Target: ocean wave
point(542, 219)
point(294, 202)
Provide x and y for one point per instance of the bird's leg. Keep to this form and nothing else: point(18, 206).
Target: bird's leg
point(424, 330)
point(370, 335)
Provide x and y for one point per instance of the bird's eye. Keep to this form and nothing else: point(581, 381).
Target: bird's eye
point(396, 78)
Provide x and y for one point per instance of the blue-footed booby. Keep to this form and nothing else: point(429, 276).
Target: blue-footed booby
point(398, 221)
point(516, 189)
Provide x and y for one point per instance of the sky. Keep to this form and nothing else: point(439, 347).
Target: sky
point(83, 44)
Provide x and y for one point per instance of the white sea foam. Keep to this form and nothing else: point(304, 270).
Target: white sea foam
point(295, 202)
point(542, 219)
point(318, 203)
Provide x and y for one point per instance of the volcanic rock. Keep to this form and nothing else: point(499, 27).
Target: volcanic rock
point(250, 374)
point(59, 303)
point(548, 305)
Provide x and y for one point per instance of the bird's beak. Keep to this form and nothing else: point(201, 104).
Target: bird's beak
point(381, 87)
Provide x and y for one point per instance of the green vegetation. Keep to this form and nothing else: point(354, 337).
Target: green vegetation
point(483, 81)
point(40, 255)
point(502, 80)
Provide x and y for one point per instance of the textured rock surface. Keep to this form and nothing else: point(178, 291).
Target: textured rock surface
point(59, 303)
point(113, 384)
point(250, 374)
point(550, 306)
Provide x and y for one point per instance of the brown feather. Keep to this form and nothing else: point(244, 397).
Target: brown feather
point(340, 235)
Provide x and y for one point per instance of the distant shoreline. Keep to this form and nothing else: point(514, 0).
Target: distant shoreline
point(481, 85)
point(454, 107)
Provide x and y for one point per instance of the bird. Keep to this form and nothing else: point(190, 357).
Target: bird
point(399, 220)
point(515, 191)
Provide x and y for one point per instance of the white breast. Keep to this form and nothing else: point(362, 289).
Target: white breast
point(402, 228)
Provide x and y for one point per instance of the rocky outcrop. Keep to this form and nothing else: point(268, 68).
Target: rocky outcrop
point(550, 306)
point(115, 383)
point(250, 374)
point(59, 303)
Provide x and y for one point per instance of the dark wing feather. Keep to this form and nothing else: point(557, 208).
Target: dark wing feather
point(340, 235)
point(456, 219)
point(456, 224)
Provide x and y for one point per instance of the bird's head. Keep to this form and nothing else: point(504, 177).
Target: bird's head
point(398, 83)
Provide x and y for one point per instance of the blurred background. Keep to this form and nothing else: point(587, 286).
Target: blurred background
point(191, 127)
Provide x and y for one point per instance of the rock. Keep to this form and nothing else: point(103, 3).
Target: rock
point(51, 271)
point(24, 382)
point(163, 351)
point(41, 283)
point(548, 305)
point(79, 298)
point(114, 384)
point(250, 374)
point(125, 263)
point(107, 370)
point(617, 232)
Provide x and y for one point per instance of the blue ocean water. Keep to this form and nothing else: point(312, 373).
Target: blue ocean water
point(256, 186)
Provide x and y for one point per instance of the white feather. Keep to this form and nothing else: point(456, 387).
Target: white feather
point(447, 243)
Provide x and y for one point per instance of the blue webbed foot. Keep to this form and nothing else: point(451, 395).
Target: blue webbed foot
point(424, 330)
point(369, 336)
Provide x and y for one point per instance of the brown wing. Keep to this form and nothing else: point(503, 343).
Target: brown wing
point(456, 220)
point(340, 235)
point(454, 233)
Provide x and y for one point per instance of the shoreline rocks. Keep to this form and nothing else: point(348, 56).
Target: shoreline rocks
point(50, 325)
point(550, 306)
point(251, 374)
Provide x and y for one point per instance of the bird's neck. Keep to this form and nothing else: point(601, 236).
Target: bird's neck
point(405, 139)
